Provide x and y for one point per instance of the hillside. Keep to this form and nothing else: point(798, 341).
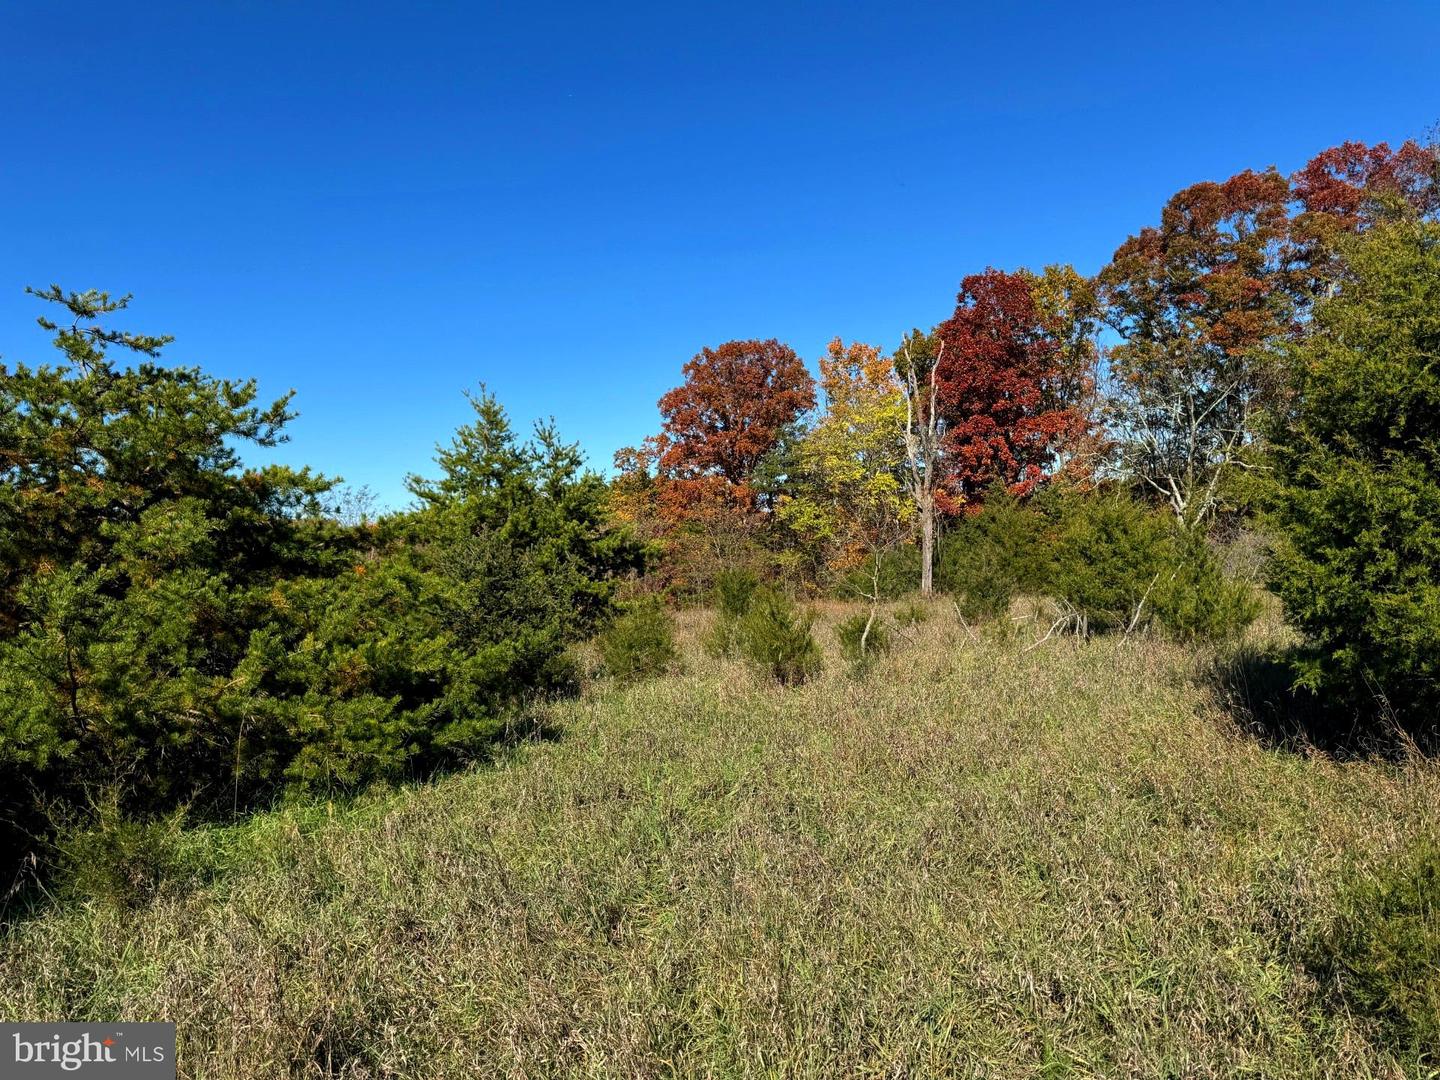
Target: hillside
point(981, 860)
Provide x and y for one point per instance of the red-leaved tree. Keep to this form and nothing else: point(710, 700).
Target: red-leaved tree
point(1344, 189)
point(1200, 300)
point(1002, 388)
point(735, 404)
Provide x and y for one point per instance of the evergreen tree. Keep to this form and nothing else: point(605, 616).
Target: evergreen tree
point(138, 560)
point(178, 629)
point(1358, 494)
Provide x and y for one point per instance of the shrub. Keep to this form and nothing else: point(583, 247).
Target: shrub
point(1100, 554)
point(723, 639)
point(1110, 553)
point(983, 582)
point(734, 589)
point(860, 647)
point(117, 861)
point(1357, 500)
point(734, 592)
point(640, 644)
point(1194, 600)
point(1382, 955)
point(989, 557)
point(775, 636)
point(911, 614)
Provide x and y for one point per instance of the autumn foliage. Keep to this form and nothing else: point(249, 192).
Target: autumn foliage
point(1001, 388)
point(1220, 270)
point(847, 497)
point(732, 408)
point(693, 486)
point(1351, 183)
point(1202, 300)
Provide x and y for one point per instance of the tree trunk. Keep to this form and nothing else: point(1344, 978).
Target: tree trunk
point(927, 548)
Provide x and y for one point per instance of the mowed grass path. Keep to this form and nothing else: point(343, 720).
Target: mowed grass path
point(977, 861)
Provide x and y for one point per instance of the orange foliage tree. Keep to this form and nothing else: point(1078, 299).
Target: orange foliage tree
point(1234, 267)
point(693, 486)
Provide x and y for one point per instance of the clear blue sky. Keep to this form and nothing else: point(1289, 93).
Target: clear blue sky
point(380, 205)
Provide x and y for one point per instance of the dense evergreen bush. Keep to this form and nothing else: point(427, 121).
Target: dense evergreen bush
point(175, 628)
point(980, 574)
point(640, 643)
point(734, 589)
point(1194, 600)
point(1100, 554)
point(1110, 554)
point(989, 557)
point(776, 636)
point(1357, 501)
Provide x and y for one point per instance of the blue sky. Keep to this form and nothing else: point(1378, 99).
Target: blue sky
point(381, 205)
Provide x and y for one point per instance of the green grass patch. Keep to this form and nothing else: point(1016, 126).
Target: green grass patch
point(984, 859)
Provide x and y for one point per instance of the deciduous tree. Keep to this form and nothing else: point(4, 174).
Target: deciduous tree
point(916, 362)
point(1002, 387)
point(700, 486)
point(1070, 308)
point(1194, 301)
point(734, 405)
point(1233, 269)
point(1347, 188)
point(849, 496)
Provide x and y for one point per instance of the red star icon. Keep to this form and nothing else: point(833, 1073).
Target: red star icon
point(109, 1042)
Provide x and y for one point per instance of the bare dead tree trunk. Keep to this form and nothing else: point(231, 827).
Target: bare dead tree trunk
point(922, 451)
point(927, 548)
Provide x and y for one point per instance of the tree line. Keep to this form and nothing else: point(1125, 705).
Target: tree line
point(180, 630)
point(1183, 381)
point(1156, 374)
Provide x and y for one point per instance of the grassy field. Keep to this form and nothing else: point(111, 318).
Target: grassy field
point(979, 860)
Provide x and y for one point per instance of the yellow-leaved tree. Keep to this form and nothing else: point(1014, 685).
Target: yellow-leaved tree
point(849, 497)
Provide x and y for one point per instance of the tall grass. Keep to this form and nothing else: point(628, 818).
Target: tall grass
point(983, 859)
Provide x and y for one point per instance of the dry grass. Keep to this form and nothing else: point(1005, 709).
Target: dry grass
point(976, 861)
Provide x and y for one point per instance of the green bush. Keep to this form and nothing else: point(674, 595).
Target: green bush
point(1195, 601)
point(989, 557)
point(1357, 499)
point(176, 628)
point(1381, 958)
point(723, 638)
point(856, 645)
point(911, 614)
point(734, 589)
point(639, 644)
point(117, 861)
point(1110, 554)
point(1101, 554)
point(776, 637)
point(983, 583)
